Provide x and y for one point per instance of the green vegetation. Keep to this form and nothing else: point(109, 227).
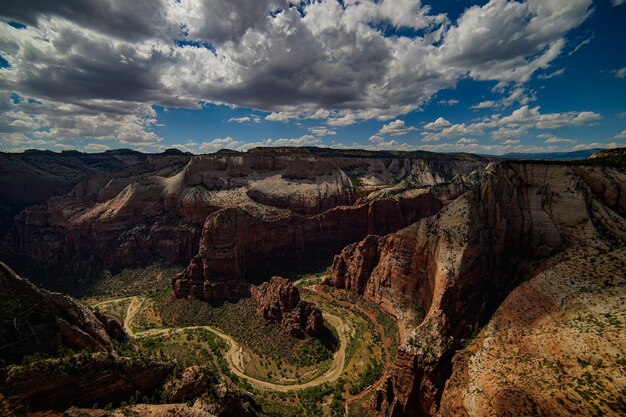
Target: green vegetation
point(367, 378)
point(266, 339)
point(356, 183)
point(151, 281)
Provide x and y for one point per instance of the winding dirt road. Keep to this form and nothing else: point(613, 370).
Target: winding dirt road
point(234, 355)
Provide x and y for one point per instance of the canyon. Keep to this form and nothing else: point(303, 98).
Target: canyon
point(477, 260)
point(445, 275)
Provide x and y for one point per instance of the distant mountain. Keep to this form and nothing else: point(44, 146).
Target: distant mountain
point(555, 156)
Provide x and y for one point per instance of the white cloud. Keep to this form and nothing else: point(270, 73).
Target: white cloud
point(96, 147)
point(620, 73)
point(376, 139)
point(554, 74)
point(230, 143)
point(517, 94)
point(321, 131)
point(244, 119)
point(220, 143)
point(621, 135)
point(609, 145)
point(509, 127)
point(331, 62)
point(617, 2)
point(580, 45)
point(556, 139)
point(466, 140)
point(450, 102)
point(346, 120)
point(438, 124)
point(395, 128)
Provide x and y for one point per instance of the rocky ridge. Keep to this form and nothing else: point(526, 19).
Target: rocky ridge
point(445, 275)
point(33, 320)
point(157, 210)
point(279, 302)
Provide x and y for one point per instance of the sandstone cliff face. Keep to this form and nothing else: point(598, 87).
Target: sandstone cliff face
point(446, 274)
point(236, 244)
point(33, 320)
point(99, 378)
point(554, 347)
point(279, 302)
point(34, 176)
point(155, 210)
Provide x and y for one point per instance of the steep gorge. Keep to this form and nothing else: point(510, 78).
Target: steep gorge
point(445, 275)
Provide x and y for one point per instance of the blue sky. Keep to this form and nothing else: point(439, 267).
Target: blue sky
point(486, 77)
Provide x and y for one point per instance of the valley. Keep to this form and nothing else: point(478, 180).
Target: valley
point(359, 347)
point(316, 282)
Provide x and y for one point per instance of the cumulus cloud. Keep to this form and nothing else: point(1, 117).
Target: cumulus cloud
point(438, 124)
point(621, 135)
point(220, 143)
point(230, 143)
point(517, 94)
point(509, 127)
point(466, 140)
point(95, 147)
point(396, 128)
point(321, 60)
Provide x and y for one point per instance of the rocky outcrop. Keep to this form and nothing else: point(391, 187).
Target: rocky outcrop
point(554, 347)
point(445, 275)
point(33, 320)
point(82, 380)
point(34, 176)
point(279, 302)
point(235, 243)
point(192, 383)
point(154, 210)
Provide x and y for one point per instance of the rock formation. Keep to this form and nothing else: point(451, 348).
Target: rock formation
point(236, 243)
point(445, 275)
point(33, 320)
point(156, 210)
point(554, 347)
point(34, 176)
point(279, 302)
point(54, 384)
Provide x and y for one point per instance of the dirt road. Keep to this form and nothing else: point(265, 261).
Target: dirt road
point(233, 356)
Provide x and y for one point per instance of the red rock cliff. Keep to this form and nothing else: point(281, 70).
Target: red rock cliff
point(449, 272)
point(279, 302)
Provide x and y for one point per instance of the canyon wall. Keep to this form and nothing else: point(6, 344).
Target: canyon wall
point(445, 275)
point(236, 244)
point(161, 208)
point(33, 320)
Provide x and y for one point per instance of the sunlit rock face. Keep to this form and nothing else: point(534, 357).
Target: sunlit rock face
point(163, 207)
point(445, 275)
point(279, 302)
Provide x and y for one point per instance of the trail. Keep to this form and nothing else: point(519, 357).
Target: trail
point(234, 355)
point(385, 338)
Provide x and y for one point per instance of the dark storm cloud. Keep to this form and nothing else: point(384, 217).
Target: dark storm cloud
point(127, 19)
point(324, 59)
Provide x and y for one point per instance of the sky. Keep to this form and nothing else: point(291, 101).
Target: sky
point(488, 77)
